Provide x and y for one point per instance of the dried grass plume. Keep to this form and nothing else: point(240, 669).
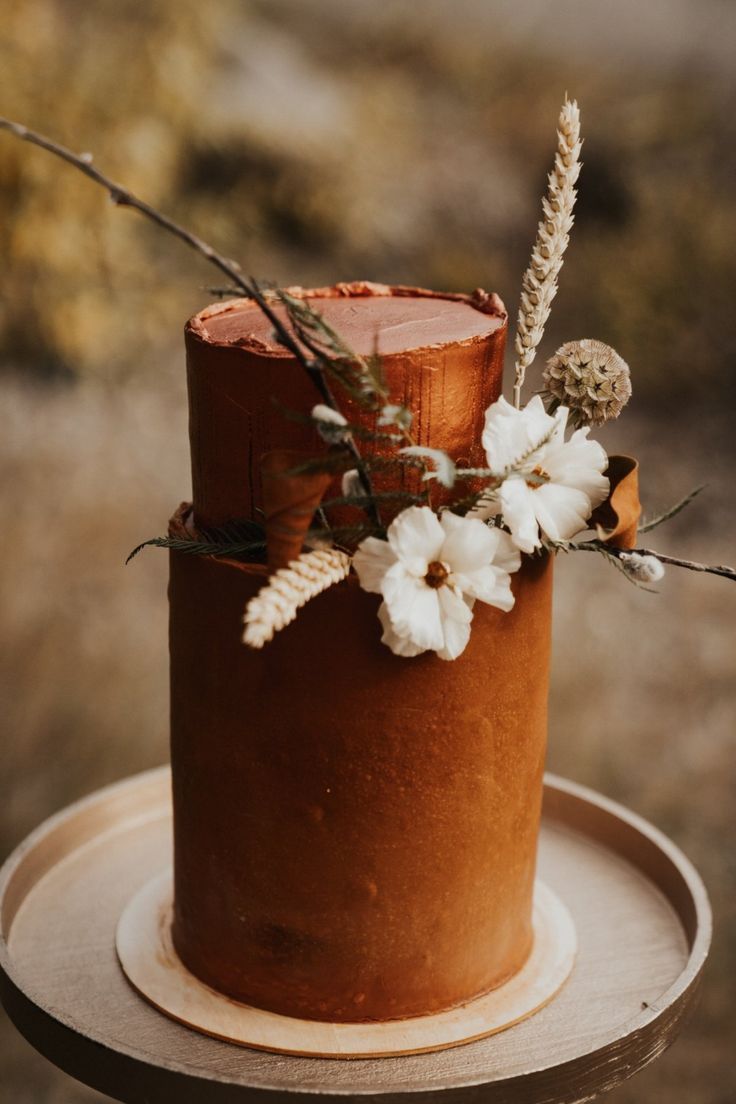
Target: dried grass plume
point(278, 602)
point(539, 284)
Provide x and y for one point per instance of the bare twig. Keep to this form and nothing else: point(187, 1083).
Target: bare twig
point(621, 553)
point(123, 198)
point(673, 511)
point(248, 286)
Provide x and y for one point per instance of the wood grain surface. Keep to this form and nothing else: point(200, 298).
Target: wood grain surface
point(640, 911)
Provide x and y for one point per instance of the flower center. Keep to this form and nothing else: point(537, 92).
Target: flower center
point(437, 574)
point(537, 477)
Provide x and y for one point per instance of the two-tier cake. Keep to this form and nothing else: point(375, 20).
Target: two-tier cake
point(355, 832)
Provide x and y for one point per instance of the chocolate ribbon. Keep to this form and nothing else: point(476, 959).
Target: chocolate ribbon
point(289, 502)
point(616, 519)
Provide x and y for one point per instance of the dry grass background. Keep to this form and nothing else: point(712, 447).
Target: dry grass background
point(324, 140)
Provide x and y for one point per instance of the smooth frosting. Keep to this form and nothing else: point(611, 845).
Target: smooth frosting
point(355, 833)
point(374, 319)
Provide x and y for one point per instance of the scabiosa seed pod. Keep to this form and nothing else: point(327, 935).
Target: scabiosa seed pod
point(589, 378)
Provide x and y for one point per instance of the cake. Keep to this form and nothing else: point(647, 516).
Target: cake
point(355, 833)
point(355, 818)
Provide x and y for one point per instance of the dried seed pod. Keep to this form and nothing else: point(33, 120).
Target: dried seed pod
point(589, 378)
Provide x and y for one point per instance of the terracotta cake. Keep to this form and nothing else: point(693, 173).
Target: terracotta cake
point(355, 832)
point(360, 604)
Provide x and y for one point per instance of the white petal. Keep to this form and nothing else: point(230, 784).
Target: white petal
point(416, 537)
point(518, 508)
point(398, 588)
point(469, 543)
point(534, 411)
point(413, 608)
point(561, 511)
point(372, 560)
point(509, 433)
point(560, 419)
point(456, 618)
point(399, 645)
point(507, 555)
point(492, 585)
point(487, 507)
point(579, 463)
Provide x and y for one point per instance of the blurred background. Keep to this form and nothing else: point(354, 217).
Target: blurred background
point(325, 140)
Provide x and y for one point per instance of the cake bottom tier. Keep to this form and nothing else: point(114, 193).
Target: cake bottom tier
point(355, 833)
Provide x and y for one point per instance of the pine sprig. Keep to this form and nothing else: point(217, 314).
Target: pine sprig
point(236, 540)
point(361, 377)
point(339, 462)
point(381, 496)
point(334, 463)
point(352, 429)
point(278, 602)
point(673, 511)
point(344, 534)
point(252, 552)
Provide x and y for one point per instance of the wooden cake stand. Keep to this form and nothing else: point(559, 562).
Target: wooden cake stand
point(643, 925)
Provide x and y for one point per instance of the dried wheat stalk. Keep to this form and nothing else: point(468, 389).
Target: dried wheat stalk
point(539, 285)
point(278, 602)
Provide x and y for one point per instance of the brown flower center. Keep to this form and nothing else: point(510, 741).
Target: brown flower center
point(541, 476)
point(437, 575)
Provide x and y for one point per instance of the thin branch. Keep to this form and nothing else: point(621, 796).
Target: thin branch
point(673, 511)
point(621, 553)
point(247, 285)
point(123, 198)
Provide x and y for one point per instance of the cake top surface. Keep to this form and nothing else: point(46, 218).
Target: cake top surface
point(371, 318)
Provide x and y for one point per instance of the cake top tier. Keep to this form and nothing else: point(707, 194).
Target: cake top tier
point(442, 358)
point(369, 317)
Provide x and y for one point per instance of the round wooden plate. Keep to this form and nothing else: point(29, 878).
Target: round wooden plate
point(151, 964)
point(639, 908)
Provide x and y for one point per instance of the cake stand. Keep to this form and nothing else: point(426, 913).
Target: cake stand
point(640, 910)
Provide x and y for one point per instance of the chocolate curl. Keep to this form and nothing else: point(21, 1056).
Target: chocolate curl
point(181, 524)
point(289, 502)
point(617, 518)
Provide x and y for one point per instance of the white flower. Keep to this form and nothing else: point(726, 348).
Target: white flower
point(549, 486)
point(643, 568)
point(430, 572)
